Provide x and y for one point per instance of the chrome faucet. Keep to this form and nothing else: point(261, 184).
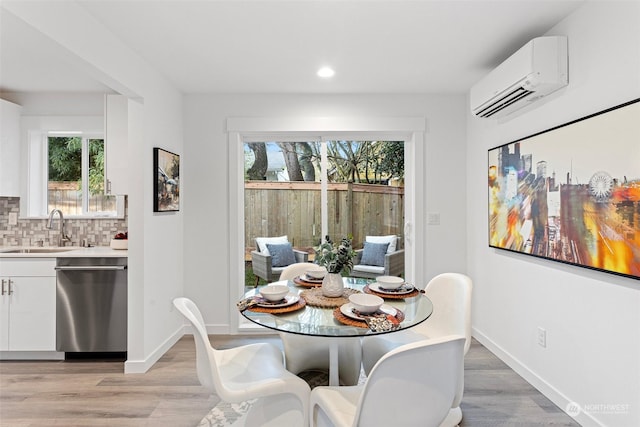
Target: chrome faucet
point(63, 237)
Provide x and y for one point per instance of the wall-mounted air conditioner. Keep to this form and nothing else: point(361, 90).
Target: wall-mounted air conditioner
point(535, 70)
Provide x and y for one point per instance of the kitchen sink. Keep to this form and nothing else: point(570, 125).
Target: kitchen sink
point(37, 250)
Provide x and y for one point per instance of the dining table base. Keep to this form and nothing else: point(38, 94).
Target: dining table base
point(334, 374)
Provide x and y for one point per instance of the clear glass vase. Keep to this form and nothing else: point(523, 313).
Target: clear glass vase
point(332, 285)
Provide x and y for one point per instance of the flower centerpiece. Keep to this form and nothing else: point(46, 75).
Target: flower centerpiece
point(336, 259)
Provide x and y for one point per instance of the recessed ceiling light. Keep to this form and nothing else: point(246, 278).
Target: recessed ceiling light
point(326, 72)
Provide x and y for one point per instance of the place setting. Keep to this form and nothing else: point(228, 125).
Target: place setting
point(273, 299)
point(311, 278)
point(369, 311)
point(391, 287)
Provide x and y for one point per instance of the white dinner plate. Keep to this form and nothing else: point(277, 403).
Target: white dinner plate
point(289, 300)
point(347, 310)
point(310, 279)
point(404, 289)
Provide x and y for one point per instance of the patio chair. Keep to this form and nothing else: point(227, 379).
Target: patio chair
point(267, 265)
point(379, 257)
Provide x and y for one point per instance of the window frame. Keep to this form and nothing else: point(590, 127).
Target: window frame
point(410, 130)
point(36, 205)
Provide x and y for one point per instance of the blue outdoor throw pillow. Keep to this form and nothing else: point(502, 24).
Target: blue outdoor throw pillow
point(281, 255)
point(373, 254)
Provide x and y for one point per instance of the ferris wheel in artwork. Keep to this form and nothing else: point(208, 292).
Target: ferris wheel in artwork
point(601, 186)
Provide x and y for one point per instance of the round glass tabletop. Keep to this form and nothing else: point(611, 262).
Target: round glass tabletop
point(318, 321)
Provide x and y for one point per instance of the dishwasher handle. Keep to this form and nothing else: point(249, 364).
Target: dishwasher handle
point(90, 267)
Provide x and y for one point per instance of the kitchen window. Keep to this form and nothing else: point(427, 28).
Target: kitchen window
point(75, 183)
point(66, 172)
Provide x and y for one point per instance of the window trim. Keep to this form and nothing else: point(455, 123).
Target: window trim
point(411, 130)
point(35, 203)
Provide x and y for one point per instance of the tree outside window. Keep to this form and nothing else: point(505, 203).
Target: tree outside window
point(76, 176)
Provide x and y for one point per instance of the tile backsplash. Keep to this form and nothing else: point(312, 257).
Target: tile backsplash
point(97, 232)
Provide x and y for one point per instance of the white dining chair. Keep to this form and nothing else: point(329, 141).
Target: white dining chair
point(450, 294)
point(412, 385)
point(304, 353)
point(294, 270)
point(254, 371)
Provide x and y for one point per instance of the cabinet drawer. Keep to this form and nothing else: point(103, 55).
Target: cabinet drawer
point(34, 267)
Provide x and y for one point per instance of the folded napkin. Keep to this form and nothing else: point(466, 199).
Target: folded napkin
point(382, 324)
point(379, 321)
point(246, 303)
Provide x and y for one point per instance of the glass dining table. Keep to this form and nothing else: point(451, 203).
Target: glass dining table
point(335, 323)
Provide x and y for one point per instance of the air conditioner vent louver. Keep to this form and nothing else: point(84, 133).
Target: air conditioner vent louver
point(535, 70)
point(504, 102)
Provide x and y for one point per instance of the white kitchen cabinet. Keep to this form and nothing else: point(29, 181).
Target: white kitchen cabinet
point(116, 118)
point(9, 148)
point(28, 304)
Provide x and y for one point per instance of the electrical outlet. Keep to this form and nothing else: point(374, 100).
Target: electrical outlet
point(13, 218)
point(542, 337)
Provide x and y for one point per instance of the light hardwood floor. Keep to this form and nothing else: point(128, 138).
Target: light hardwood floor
point(97, 393)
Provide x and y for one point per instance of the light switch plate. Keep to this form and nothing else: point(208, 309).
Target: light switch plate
point(13, 218)
point(433, 218)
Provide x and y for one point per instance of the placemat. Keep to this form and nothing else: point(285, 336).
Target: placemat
point(413, 293)
point(315, 298)
point(345, 320)
point(277, 310)
point(300, 282)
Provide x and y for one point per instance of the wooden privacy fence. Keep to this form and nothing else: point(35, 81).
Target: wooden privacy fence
point(67, 196)
point(274, 208)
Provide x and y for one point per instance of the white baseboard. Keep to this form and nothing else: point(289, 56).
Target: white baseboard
point(216, 329)
point(553, 394)
point(254, 329)
point(142, 366)
point(31, 355)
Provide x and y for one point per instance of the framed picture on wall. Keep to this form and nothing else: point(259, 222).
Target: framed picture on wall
point(572, 193)
point(166, 181)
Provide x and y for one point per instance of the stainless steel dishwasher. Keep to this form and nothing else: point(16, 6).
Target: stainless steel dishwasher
point(91, 305)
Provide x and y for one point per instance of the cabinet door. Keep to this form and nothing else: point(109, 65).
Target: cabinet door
point(116, 144)
point(32, 317)
point(9, 148)
point(4, 317)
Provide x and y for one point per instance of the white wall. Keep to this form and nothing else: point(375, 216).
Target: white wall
point(206, 179)
point(592, 319)
point(58, 103)
point(155, 119)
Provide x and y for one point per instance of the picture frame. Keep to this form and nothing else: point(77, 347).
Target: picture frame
point(571, 193)
point(166, 181)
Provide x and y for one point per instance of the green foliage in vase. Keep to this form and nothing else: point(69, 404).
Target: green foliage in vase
point(336, 258)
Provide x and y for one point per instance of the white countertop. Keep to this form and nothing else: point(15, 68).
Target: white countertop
point(67, 252)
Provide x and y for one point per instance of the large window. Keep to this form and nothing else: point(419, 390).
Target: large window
point(75, 182)
point(308, 189)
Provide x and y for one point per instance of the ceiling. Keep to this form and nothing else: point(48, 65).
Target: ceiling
point(269, 46)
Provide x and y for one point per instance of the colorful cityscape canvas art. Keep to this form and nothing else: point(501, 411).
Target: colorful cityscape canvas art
point(572, 193)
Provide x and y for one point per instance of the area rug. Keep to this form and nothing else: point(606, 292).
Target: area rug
point(227, 414)
point(234, 414)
